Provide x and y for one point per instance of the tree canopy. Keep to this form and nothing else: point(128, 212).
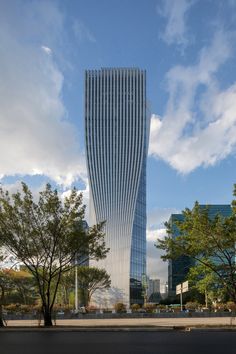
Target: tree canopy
point(209, 241)
point(205, 281)
point(91, 279)
point(46, 235)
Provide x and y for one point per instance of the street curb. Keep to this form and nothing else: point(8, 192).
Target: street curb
point(120, 329)
point(88, 329)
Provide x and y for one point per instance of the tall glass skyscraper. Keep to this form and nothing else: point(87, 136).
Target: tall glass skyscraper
point(116, 130)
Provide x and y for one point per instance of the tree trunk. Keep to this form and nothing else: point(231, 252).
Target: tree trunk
point(206, 299)
point(1, 306)
point(47, 316)
point(1, 319)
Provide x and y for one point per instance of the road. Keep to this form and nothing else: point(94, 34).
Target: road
point(159, 342)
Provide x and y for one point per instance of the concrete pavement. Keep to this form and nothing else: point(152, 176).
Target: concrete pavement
point(133, 322)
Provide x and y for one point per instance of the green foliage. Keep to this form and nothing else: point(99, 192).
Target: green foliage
point(46, 235)
point(21, 288)
point(211, 242)
point(65, 295)
point(206, 282)
point(91, 279)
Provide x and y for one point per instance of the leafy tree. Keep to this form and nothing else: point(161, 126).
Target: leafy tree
point(204, 280)
point(211, 242)
point(91, 279)
point(22, 287)
point(66, 286)
point(46, 235)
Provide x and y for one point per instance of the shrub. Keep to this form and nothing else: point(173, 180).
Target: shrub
point(149, 307)
point(135, 307)
point(192, 305)
point(120, 307)
point(11, 308)
point(231, 306)
point(25, 308)
point(220, 307)
point(175, 309)
point(20, 308)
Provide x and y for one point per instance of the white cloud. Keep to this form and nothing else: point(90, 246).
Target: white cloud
point(46, 50)
point(175, 12)
point(35, 135)
point(15, 187)
point(85, 193)
point(152, 235)
point(156, 268)
point(199, 126)
point(158, 216)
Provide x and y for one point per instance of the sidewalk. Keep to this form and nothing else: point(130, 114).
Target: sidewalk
point(133, 322)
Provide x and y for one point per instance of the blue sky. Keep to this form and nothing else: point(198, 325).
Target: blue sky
point(188, 49)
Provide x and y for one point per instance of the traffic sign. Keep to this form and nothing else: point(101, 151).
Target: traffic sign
point(178, 289)
point(185, 287)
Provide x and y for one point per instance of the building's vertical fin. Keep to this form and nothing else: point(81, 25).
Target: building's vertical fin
point(116, 159)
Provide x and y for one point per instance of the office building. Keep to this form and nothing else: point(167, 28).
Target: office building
point(153, 291)
point(116, 130)
point(178, 269)
point(153, 286)
point(164, 290)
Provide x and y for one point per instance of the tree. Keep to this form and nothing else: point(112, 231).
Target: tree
point(210, 241)
point(4, 286)
point(46, 235)
point(205, 281)
point(91, 279)
point(22, 288)
point(4, 283)
point(66, 287)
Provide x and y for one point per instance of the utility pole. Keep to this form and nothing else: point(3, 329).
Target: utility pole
point(181, 300)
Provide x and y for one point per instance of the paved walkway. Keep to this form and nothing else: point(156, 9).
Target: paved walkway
point(133, 322)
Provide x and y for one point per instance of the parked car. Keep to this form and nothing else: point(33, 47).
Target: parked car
point(60, 313)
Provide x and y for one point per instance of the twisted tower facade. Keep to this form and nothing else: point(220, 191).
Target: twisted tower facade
point(116, 131)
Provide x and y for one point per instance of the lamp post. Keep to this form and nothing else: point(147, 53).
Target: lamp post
point(76, 288)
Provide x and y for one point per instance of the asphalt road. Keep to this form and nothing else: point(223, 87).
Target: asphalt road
point(200, 342)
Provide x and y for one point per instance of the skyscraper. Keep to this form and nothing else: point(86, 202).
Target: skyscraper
point(116, 130)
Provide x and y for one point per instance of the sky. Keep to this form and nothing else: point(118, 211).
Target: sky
point(188, 49)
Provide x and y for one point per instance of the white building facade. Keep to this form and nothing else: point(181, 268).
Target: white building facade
point(116, 131)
